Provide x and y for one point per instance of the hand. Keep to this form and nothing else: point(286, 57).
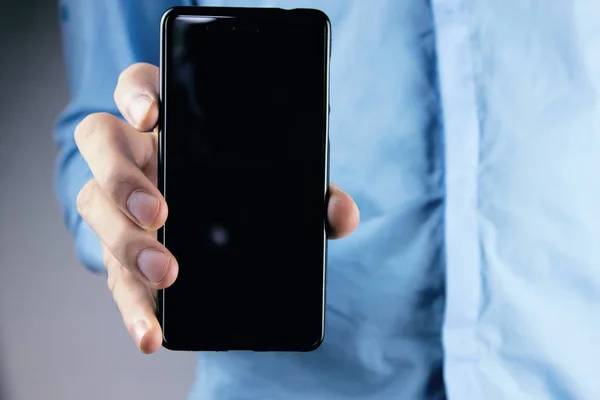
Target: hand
point(124, 207)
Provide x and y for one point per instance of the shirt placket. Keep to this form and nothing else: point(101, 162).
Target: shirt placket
point(458, 97)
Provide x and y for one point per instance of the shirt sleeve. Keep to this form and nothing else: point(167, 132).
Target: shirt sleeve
point(97, 44)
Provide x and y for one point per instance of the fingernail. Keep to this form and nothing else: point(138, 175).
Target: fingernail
point(143, 207)
point(138, 110)
point(153, 264)
point(140, 328)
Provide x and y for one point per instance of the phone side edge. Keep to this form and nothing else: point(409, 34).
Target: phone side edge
point(326, 155)
point(167, 16)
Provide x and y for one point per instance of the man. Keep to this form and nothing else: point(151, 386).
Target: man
point(469, 135)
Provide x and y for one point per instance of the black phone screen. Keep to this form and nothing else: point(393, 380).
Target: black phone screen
point(243, 163)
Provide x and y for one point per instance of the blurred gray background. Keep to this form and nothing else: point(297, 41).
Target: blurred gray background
point(60, 334)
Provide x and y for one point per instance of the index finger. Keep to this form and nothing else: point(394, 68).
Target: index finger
point(136, 95)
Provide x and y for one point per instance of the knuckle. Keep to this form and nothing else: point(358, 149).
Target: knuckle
point(113, 269)
point(118, 181)
point(134, 70)
point(91, 125)
point(122, 75)
point(124, 243)
point(107, 259)
point(84, 198)
point(127, 72)
point(111, 281)
point(140, 68)
point(137, 74)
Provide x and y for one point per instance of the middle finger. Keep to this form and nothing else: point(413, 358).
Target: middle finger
point(136, 249)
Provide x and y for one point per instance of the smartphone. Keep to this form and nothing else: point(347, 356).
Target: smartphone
point(244, 168)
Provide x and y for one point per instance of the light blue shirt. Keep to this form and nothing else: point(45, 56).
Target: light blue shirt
point(469, 134)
